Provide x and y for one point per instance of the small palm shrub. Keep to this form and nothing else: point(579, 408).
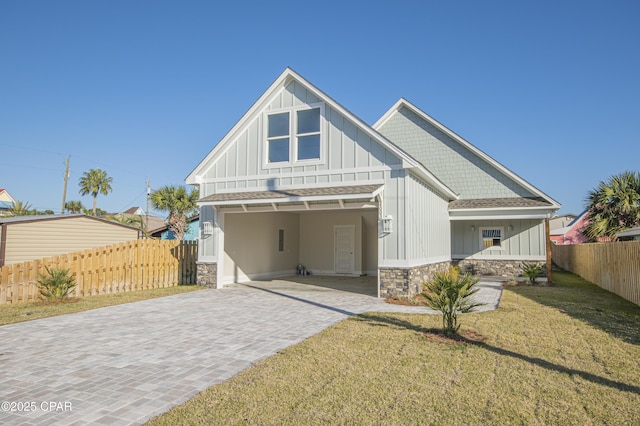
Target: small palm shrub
point(451, 293)
point(56, 284)
point(532, 271)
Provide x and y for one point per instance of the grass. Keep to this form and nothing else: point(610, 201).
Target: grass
point(567, 354)
point(18, 312)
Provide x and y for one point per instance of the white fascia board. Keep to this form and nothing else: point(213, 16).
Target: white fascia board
point(500, 209)
point(428, 177)
point(287, 200)
point(500, 217)
point(404, 103)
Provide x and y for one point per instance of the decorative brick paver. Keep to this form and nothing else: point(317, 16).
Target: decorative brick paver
point(125, 364)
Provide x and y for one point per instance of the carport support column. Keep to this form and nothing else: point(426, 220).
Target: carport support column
point(207, 274)
point(219, 246)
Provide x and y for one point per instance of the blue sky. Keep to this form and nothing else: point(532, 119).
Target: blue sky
point(145, 89)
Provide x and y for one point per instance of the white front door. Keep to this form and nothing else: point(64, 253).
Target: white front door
point(344, 241)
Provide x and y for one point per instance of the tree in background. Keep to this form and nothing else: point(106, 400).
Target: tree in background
point(95, 182)
point(21, 208)
point(613, 205)
point(73, 206)
point(179, 203)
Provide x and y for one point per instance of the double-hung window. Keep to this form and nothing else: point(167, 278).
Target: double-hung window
point(278, 137)
point(294, 135)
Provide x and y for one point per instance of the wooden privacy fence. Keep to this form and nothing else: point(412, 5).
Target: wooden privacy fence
point(130, 266)
point(613, 266)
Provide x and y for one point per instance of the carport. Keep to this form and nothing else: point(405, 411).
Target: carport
point(330, 231)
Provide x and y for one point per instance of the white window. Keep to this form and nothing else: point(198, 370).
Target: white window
point(491, 238)
point(278, 137)
point(294, 135)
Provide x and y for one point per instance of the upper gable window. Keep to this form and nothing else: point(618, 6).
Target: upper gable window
point(294, 135)
point(278, 137)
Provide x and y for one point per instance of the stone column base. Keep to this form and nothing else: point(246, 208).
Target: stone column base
point(207, 274)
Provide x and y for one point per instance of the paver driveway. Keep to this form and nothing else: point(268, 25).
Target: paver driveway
point(128, 363)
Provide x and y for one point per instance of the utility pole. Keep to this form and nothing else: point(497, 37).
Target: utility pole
point(146, 223)
point(66, 179)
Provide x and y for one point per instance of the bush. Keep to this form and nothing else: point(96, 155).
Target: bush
point(532, 271)
point(56, 284)
point(450, 293)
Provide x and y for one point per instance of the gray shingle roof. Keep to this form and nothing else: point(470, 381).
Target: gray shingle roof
point(488, 203)
point(292, 193)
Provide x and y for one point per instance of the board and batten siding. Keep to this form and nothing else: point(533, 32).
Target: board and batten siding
point(427, 224)
point(420, 221)
point(525, 241)
point(31, 240)
point(348, 154)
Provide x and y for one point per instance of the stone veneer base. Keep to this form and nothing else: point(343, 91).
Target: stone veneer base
point(407, 282)
point(207, 274)
point(500, 268)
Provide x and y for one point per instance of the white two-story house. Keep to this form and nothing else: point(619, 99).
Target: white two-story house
point(301, 180)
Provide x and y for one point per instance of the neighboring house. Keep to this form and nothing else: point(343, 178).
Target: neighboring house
point(562, 221)
point(191, 234)
point(631, 234)
point(24, 238)
point(153, 223)
point(135, 211)
point(301, 180)
point(6, 201)
point(572, 233)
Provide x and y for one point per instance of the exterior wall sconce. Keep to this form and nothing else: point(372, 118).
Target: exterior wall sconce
point(386, 225)
point(473, 228)
point(510, 227)
point(207, 228)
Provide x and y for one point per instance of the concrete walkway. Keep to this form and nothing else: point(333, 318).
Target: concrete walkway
point(125, 364)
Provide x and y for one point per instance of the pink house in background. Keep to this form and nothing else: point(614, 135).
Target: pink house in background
point(571, 234)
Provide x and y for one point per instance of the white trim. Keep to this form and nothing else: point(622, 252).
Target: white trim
point(404, 103)
point(294, 199)
point(494, 209)
point(412, 263)
point(315, 173)
point(497, 257)
point(302, 186)
point(500, 217)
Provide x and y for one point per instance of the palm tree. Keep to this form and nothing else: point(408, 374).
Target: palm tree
point(179, 203)
point(20, 208)
point(73, 206)
point(613, 206)
point(95, 182)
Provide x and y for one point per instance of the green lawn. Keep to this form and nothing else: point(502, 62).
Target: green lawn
point(18, 312)
point(568, 354)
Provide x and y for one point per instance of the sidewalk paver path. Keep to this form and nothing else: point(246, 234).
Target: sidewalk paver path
point(125, 364)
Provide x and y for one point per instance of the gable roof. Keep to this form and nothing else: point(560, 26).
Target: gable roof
point(403, 103)
point(281, 82)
